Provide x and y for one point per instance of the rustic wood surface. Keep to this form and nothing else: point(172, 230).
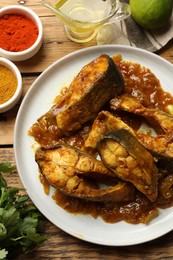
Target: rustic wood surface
point(60, 245)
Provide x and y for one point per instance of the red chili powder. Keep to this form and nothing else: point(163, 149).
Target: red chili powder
point(17, 32)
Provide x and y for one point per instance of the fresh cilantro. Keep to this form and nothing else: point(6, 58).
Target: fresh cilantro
point(20, 220)
point(3, 254)
point(7, 167)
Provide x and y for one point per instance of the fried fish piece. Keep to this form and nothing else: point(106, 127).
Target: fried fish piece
point(160, 145)
point(91, 89)
point(144, 175)
point(166, 186)
point(104, 124)
point(130, 161)
point(64, 167)
point(132, 105)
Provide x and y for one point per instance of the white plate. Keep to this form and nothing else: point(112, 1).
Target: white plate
point(37, 101)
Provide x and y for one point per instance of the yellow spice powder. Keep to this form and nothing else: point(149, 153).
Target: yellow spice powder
point(8, 84)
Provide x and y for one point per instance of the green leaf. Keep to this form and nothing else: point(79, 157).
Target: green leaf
point(29, 238)
point(3, 231)
point(3, 254)
point(19, 218)
point(7, 167)
point(30, 210)
point(10, 217)
point(2, 181)
point(7, 196)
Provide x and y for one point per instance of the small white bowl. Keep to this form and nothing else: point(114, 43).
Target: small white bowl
point(31, 51)
point(15, 98)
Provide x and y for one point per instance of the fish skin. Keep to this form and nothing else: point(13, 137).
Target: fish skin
point(130, 161)
point(64, 167)
point(161, 146)
point(107, 124)
point(94, 86)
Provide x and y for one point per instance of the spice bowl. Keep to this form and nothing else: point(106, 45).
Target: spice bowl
point(21, 33)
point(10, 85)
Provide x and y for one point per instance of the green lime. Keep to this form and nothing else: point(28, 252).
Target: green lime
point(151, 14)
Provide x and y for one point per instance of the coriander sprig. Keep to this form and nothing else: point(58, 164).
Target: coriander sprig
point(20, 220)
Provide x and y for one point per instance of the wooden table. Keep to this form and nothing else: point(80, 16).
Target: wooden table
point(59, 244)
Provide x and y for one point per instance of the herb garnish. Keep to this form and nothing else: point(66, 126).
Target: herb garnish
point(20, 220)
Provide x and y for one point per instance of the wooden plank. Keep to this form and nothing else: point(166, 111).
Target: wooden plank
point(167, 52)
